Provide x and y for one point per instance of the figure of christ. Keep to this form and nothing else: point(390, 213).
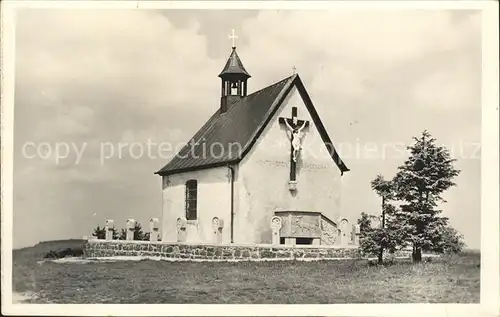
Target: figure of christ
point(296, 136)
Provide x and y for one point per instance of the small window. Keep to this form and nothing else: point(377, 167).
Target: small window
point(191, 199)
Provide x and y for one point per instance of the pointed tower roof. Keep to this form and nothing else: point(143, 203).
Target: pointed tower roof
point(234, 66)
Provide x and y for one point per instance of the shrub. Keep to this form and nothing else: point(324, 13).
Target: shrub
point(448, 240)
point(68, 252)
point(99, 232)
point(138, 233)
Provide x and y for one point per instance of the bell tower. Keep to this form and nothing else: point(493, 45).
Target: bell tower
point(234, 79)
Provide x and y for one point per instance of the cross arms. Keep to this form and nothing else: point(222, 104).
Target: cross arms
point(290, 122)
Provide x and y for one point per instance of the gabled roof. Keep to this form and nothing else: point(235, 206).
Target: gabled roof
point(234, 66)
point(242, 124)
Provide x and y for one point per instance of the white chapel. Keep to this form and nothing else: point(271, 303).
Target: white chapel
point(263, 159)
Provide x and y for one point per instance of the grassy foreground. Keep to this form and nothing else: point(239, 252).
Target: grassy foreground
point(453, 279)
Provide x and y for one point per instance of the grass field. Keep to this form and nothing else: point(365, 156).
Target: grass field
point(453, 279)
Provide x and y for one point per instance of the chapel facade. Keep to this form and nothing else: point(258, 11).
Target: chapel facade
point(261, 170)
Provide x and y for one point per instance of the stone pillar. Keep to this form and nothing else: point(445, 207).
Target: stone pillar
point(217, 225)
point(181, 229)
point(130, 229)
point(290, 241)
point(316, 241)
point(276, 225)
point(153, 229)
point(355, 234)
point(109, 229)
point(344, 232)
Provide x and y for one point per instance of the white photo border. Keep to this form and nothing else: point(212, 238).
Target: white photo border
point(489, 304)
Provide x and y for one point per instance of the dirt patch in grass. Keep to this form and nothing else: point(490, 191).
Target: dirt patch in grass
point(18, 298)
point(453, 279)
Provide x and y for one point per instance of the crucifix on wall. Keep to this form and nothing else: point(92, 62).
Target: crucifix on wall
point(295, 134)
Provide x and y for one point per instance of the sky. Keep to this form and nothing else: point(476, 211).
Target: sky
point(93, 87)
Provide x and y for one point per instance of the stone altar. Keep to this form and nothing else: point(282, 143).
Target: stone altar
point(300, 227)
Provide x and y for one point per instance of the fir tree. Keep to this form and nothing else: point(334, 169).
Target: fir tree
point(138, 233)
point(123, 234)
point(116, 234)
point(99, 232)
point(419, 184)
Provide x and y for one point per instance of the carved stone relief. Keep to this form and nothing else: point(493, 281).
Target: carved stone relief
point(305, 226)
point(329, 232)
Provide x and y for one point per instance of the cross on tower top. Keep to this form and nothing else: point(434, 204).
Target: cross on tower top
point(294, 70)
point(232, 37)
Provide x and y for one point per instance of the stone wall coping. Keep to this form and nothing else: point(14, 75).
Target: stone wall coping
point(315, 213)
point(278, 246)
point(156, 258)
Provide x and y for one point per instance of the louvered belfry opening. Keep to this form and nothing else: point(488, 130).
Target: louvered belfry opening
point(234, 79)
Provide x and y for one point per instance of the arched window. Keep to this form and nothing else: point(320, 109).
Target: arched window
point(191, 197)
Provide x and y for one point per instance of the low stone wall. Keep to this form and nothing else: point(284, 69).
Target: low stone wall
point(210, 252)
